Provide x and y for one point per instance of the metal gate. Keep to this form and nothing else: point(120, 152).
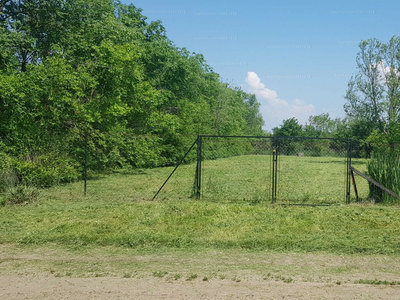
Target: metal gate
point(234, 168)
point(286, 170)
point(312, 171)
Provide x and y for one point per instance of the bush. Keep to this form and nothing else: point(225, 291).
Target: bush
point(8, 177)
point(46, 170)
point(21, 194)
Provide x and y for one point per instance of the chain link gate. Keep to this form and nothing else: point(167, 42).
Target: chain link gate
point(286, 170)
point(234, 168)
point(313, 171)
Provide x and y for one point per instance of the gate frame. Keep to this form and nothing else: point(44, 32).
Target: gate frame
point(275, 159)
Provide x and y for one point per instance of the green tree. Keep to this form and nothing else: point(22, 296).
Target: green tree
point(290, 127)
point(321, 126)
point(373, 94)
point(252, 115)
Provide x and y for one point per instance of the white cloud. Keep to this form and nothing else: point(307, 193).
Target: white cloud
point(385, 71)
point(273, 109)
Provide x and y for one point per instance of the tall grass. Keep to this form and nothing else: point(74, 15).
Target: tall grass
point(384, 167)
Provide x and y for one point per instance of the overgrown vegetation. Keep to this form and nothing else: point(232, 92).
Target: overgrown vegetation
point(384, 167)
point(21, 194)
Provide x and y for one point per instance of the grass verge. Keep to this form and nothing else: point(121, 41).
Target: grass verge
point(63, 217)
point(114, 215)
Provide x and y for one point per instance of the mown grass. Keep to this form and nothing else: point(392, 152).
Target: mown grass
point(305, 180)
point(319, 180)
point(116, 213)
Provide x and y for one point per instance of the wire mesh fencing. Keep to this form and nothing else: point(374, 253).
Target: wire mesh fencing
point(235, 168)
point(312, 171)
point(277, 169)
point(287, 170)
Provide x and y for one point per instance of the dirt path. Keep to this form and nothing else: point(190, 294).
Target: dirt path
point(39, 287)
point(50, 273)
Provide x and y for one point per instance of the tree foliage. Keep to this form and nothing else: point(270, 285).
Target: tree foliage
point(290, 127)
point(76, 70)
point(373, 95)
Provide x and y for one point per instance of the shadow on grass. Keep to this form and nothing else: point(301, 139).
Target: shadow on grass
point(130, 172)
point(336, 162)
point(103, 175)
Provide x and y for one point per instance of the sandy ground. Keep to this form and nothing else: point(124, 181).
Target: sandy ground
point(39, 287)
point(58, 274)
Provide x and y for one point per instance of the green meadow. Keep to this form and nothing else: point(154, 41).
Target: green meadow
point(118, 212)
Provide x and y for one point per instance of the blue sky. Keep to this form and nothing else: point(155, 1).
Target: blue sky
point(296, 56)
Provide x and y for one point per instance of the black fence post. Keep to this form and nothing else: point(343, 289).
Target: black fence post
point(85, 166)
point(348, 170)
point(274, 169)
point(198, 167)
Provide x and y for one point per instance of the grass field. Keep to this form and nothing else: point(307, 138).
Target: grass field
point(117, 213)
point(304, 180)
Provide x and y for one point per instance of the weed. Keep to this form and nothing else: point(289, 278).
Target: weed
point(384, 167)
point(236, 279)
point(191, 277)
point(287, 280)
point(377, 282)
point(284, 279)
point(22, 194)
point(177, 276)
point(160, 274)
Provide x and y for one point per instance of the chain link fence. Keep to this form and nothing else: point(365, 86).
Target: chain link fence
point(236, 168)
point(273, 169)
point(219, 168)
point(284, 170)
point(312, 171)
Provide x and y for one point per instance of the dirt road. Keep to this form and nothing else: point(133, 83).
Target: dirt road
point(50, 273)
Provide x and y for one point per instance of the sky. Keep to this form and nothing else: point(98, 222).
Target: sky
point(295, 56)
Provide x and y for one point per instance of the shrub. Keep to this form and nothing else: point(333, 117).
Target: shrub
point(8, 176)
point(46, 170)
point(21, 194)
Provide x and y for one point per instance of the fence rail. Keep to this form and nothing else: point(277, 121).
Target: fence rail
point(290, 170)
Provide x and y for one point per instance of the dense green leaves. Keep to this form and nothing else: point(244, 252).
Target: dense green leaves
point(76, 70)
point(290, 127)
